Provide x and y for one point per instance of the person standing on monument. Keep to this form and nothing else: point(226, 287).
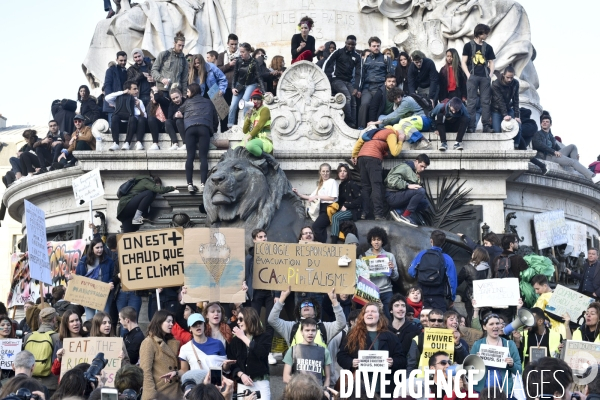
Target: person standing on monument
point(226, 63)
point(453, 82)
point(423, 77)
point(246, 78)
point(139, 72)
point(375, 69)
point(114, 79)
point(303, 45)
point(170, 69)
point(478, 64)
point(505, 102)
point(341, 67)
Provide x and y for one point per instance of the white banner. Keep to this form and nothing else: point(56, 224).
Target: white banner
point(88, 187)
point(373, 360)
point(493, 356)
point(37, 246)
point(496, 292)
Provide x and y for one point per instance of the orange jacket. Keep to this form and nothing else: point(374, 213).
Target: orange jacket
point(383, 141)
point(181, 334)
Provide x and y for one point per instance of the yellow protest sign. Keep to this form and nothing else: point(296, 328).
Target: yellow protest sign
point(436, 339)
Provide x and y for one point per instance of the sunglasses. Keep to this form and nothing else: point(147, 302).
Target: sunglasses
point(444, 362)
point(306, 304)
point(436, 320)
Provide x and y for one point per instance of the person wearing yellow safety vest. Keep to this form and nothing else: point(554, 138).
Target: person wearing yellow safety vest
point(537, 336)
point(257, 125)
point(307, 308)
point(588, 332)
point(416, 358)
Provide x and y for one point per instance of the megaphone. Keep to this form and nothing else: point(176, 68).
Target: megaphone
point(472, 362)
point(244, 107)
point(524, 317)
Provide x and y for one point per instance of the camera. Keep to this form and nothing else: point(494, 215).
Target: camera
point(23, 394)
point(97, 365)
point(129, 394)
point(575, 396)
point(245, 393)
point(188, 384)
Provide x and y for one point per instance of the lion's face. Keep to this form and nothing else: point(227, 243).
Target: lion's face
point(234, 189)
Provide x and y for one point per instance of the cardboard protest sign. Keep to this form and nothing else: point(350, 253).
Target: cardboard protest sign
point(493, 356)
point(373, 360)
point(366, 292)
point(496, 292)
point(215, 265)
point(437, 339)
point(550, 229)
point(64, 257)
point(379, 265)
point(577, 234)
point(306, 267)
point(83, 350)
point(151, 259)
point(87, 292)
point(580, 355)
point(9, 348)
point(218, 101)
point(39, 267)
point(565, 300)
point(88, 187)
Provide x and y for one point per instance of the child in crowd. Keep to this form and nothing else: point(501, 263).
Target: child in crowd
point(415, 299)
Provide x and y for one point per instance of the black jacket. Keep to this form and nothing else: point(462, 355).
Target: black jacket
point(540, 144)
point(342, 64)
point(326, 54)
point(349, 196)
point(136, 73)
point(89, 110)
point(405, 334)
point(377, 105)
point(297, 39)
point(505, 97)
point(426, 77)
point(461, 85)
point(248, 72)
point(580, 277)
point(528, 126)
point(173, 108)
point(114, 79)
point(493, 251)
point(133, 340)
point(200, 111)
point(124, 106)
point(253, 360)
point(374, 70)
point(62, 306)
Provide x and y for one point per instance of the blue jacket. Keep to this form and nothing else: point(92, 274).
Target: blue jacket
point(374, 70)
point(515, 369)
point(450, 269)
point(107, 268)
point(214, 76)
point(113, 82)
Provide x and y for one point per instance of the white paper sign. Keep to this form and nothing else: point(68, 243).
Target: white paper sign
point(9, 348)
point(39, 263)
point(493, 356)
point(577, 234)
point(379, 266)
point(565, 300)
point(88, 187)
point(496, 292)
point(373, 360)
point(550, 229)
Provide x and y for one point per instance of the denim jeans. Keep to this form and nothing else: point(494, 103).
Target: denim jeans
point(497, 119)
point(233, 108)
point(90, 312)
point(126, 298)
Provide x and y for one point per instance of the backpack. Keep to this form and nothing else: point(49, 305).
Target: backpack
point(368, 135)
point(42, 347)
point(126, 187)
point(424, 103)
point(320, 326)
point(431, 270)
point(483, 51)
point(502, 267)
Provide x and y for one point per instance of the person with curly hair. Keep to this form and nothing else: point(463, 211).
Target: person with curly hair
point(378, 238)
point(370, 332)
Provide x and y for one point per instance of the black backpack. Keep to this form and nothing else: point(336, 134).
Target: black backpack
point(502, 267)
point(320, 327)
point(126, 187)
point(424, 103)
point(431, 270)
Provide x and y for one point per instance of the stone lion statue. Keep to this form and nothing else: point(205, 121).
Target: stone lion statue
point(253, 192)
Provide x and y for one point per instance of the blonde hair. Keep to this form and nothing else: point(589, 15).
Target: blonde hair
point(320, 183)
point(199, 73)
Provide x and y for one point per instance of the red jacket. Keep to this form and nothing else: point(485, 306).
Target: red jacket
point(181, 334)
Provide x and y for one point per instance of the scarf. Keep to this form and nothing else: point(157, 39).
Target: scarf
point(418, 307)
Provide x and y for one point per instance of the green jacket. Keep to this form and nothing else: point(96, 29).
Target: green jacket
point(401, 176)
point(143, 182)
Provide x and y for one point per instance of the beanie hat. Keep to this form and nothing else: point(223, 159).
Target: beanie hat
point(350, 239)
point(256, 93)
point(136, 50)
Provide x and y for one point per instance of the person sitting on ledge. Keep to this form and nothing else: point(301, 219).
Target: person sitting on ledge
point(451, 116)
point(303, 44)
point(172, 124)
point(129, 109)
point(549, 150)
point(404, 107)
point(82, 140)
point(257, 125)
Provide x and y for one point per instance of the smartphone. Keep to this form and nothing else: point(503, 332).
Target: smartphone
point(215, 377)
point(109, 394)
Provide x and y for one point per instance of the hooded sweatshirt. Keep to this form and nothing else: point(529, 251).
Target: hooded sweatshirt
point(326, 54)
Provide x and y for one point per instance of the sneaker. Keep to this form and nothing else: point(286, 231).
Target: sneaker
point(110, 14)
point(596, 178)
point(544, 170)
point(470, 130)
point(137, 221)
point(363, 216)
point(423, 144)
point(153, 147)
point(191, 188)
point(487, 129)
point(200, 188)
point(125, 146)
point(114, 147)
point(379, 218)
point(395, 216)
point(174, 147)
point(139, 146)
point(272, 359)
point(182, 147)
point(443, 146)
point(407, 221)
point(457, 146)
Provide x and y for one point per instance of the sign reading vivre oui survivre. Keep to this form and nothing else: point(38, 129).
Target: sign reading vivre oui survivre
point(151, 259)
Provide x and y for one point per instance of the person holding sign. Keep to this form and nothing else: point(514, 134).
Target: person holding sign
point(158, 359)
point(538, 341)
point(70, 327)
point(589, 330)
point(6, 332)
point(102, 327)
point(308, 356)
point(493, 328)
point(251, 346)
point(378, 238)
point(97, 264)
point(371, 333)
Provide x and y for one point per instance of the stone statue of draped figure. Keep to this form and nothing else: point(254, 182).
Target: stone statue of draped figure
point(433, 26)
point(151, 25)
